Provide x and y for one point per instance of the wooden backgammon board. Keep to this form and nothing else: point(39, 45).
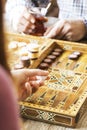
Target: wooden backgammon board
point(62, 98)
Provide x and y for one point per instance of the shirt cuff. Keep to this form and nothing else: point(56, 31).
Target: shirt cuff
point(85, 22)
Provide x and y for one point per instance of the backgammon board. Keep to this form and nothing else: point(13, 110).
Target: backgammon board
point(62, 98)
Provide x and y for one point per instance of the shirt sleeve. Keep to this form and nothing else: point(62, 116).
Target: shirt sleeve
point(9, 114)
point(85, 22)
point(14, 8)
point(11, 4)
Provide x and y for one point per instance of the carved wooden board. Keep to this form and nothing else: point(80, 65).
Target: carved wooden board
point(61, 99)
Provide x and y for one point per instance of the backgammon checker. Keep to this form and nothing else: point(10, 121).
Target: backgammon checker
point(33, 49)
point(62, 98)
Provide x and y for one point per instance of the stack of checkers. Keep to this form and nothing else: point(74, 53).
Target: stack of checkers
point(18, 66)
point(50, 58)
point(21, 53)
point(14, 45)
point(24, 62)
point(33, 52)
point(75, 55)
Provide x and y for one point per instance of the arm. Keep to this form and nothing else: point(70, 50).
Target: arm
point(68, 29)
point(72, 24)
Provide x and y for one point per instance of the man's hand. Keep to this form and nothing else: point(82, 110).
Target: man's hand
point(27, 81)
point(72, 30)
point(26, 23)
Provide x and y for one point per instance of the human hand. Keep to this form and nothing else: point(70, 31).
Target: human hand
point(31, 22)
point(26, 22)
point(72, 30)
point(27, 81)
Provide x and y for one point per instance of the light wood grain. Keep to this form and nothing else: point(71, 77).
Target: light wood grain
point(36, 125)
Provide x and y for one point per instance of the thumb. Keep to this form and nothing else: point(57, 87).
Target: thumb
point(55, 30)
point(28, 88)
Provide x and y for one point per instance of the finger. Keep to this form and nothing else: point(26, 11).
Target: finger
point(25, 28)
point(48, 30)
point(30, 17)
point(28, 88)
point(34, 72)
point(41, 79)
point(25, 91)
point(55, 30)
point(28, 31)
point(62, 34)
point(36, 84)
point(68, 37)
point(22, 28)
point(26, 22)
point(22, 94)
point(32, 78)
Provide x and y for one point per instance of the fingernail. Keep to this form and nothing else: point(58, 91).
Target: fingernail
point(33, 27)
point(45, 36)
point(32, 20)
point(41, 78)
point(30, 30)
